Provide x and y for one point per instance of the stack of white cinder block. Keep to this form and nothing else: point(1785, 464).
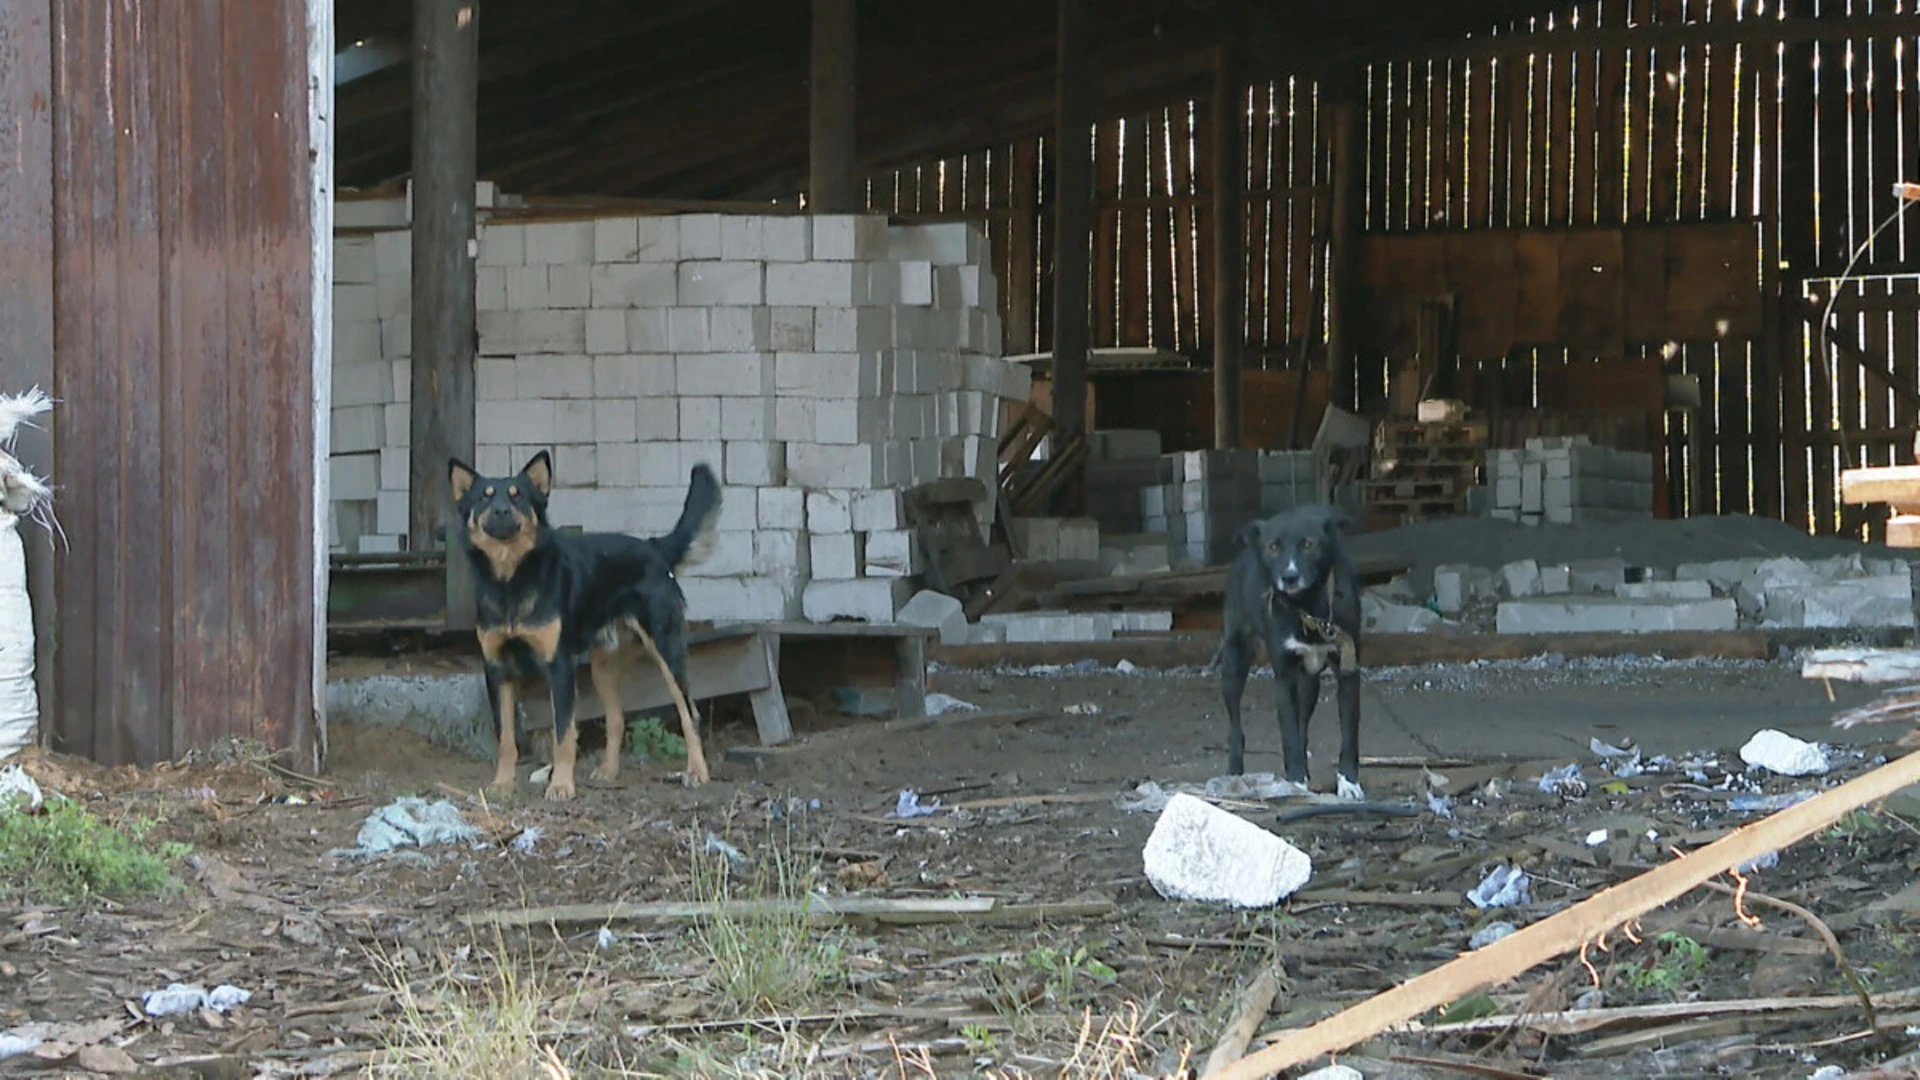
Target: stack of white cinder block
point(1565, 480)
point(372, 322)
point(819, 365)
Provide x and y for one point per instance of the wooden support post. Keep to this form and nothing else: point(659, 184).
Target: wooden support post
point(1072, 224)
point(1229, 248)
point(446, 100)
point(833, 185)
point(1342, 232)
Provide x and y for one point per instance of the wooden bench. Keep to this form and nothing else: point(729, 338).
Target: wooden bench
point(725, 661)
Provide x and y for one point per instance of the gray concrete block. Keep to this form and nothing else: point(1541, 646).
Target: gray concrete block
point(939, 611)
point(1855, 603)
point(1457, 585)
point(1602, 576)
point(1665, 590)
point(1052, 626)
point(1612, 614)
point(1520, 579)
point(1555, 580)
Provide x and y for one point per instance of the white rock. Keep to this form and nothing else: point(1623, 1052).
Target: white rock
point(17, 790)
point(1335, 1072)
point(1521, 579)
point(1201, 852)
point(1777, 751)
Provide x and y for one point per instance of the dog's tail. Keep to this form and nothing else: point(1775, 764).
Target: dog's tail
point(696, 516)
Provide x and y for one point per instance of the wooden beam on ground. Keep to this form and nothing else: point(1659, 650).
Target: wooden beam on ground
point(446, 98)
point(1575, 927)
point(822, 909)
point(832, 180)
point(1229, 247)
point(1072, 221)
point(1348, 175)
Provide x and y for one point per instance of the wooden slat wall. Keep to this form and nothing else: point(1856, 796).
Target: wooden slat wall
point(1548, 123)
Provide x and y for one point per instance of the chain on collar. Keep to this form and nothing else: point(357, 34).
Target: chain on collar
point(1348, 653)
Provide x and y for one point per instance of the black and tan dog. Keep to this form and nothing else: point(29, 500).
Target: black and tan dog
point(548, 603)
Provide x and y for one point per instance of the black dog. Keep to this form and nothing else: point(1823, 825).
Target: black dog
point(1292, 588)
point(549, 602)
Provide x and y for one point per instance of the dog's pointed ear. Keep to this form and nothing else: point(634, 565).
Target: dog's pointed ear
point(539, 473)
point(1249, 536)
point(1340, 523)
point(462, 476)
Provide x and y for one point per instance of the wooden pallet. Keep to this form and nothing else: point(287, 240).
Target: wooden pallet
point(1429, 488)
point(1431, 454)
point(1392, 433)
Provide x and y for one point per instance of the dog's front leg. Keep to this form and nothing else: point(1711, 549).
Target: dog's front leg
point(503, 703)
point(1291, 685)
point(563, 677)
point(1236, 659)
point(1347, 687)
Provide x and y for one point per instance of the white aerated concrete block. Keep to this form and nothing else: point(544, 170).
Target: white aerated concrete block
point(815, 465)
point(829, 512)
point(1053, 626)
point(782, 508)
point(1199, 852)
point(1611, 614)
point(736, 600)
point(1457, 585)
point(726, 554)
point(874, 600)
point(718, 283)
point(1665, 590)
point(1520, 579)
point(354, 477)
point(755, 464)
point(846, 237)
point(558, 243)
point(634, 285)
point(837, 555)
point(811, 284)
point(877, 510)
point(891, 553)
point(937, 611)
point(786, 239)
point(1857, 603)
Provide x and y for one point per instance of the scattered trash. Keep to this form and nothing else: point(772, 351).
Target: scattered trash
point(1200, 852)
point(717, 846)
point(14, 1045)
point(1260, 787)
point(1489, 934)
point(939, 704)
point(1335, 1072)
point(1767, 803)
point(605, 939)
point(523, 843)
point(1827, 1072)
point(1607, 751)
point(1597, 837)
point(1565, 780)
point(1592, 999)
point(180, 998)
point(1125, 667)
point(1085, 708)
point(540, 775)
point(1148, 798)
point(1505, 886)
point(1779, 752)
point(1759, 862)
point(410, 822)
point(1441, 806)
point(17, 790)
point(910, 806)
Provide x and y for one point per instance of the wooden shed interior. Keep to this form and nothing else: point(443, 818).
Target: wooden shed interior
point(1624, 217)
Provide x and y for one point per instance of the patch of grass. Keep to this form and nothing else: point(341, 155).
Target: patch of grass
point(503, 1022)
point(64, 855)
point(1681, 960)
point(774, 961)
point(648, 737)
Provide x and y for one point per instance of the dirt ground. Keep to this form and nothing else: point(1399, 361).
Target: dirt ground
point(357, 962)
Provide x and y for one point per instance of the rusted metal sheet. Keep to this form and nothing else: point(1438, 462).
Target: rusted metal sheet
point(26, 269)
point(183, 353)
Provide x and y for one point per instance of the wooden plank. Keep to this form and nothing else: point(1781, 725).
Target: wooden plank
point(1575, 926)
point(1023, 249)
point(1862, 665)
point(1106, 235)
point(1228, 284)
point(1665, 131)
point(1303, 245)
point(1898, 485)
point(1480, 268)
point(1883, 124)
point(1586, 133)
point(446, 97)
point(1260, 212)
point(715, 669)
point(1517, 78)
point(1833, 239)
point(1280, 247)
point(1380, 141)
point(1592, 301)
point(1536, 268)
point(1483, 144)
point(1561, 148)
point(1134, 242)
point(1180, 139)
point(1713, 293)
point(1639, 92)
point(1610, 118)
point(1200, 210)
point(1904, 347)
point(1440, 139)
point(1719, 80)
point(1161, 228)
point(1418, 125)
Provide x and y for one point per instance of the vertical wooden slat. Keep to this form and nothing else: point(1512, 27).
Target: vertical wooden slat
point(1563, 148)
point(1883, 121)
point(1723, 139)
point(1180, 140)
point(1200, 226)
point(1642, 77)
point(1770, 454)
point(1106, 234)
point(1829, 103)
point(1509, 138)
point(1380, 97)
point(1905, 353)
point(1023, 248)
point(1668, 86)
point(1262, 197)
point(1418, 124)
point(973, 197)
point(1483, 145)
point(1874, 331)
point(1442, 134)
point(1304, 246)
point(997, 199)
point(1540, 146)
point(1161, 226)
point(1135, 240)
point(1587, 153)
point(1286, 190)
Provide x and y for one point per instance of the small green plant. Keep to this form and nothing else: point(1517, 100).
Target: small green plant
point(647, 737)
point(1681, 958)
point(1856, 825)
point(770, 957)
point(65, 855)
point(979, 1039)
point(1063, 969)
